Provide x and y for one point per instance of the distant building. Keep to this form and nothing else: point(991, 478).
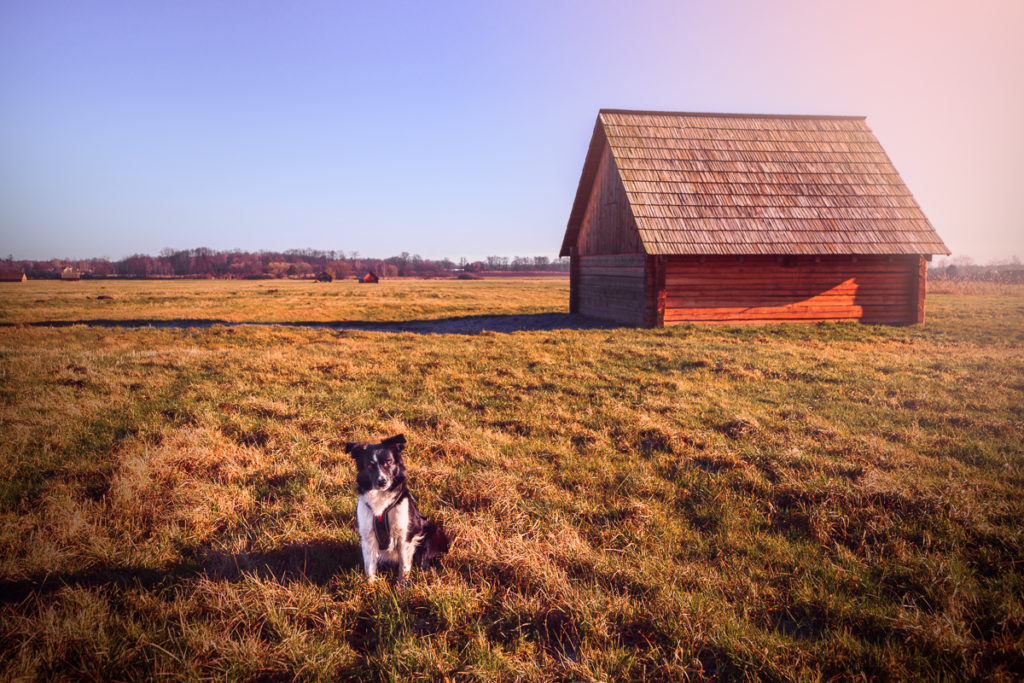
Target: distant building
point(70, 274)
point(369, 277)
point(744, 218)
point(12, 276)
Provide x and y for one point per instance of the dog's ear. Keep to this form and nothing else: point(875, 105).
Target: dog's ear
point(397, 442)
point(354, 448)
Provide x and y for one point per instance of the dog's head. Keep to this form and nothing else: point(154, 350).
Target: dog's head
point(378, 465)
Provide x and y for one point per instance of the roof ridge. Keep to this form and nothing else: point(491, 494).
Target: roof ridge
point(654, 112)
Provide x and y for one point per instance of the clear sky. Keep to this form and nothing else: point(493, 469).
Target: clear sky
point(460, 128)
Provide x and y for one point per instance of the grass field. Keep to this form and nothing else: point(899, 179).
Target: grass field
point(783, 502)
point(278, 301)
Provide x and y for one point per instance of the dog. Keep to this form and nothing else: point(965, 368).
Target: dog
point(391, 528)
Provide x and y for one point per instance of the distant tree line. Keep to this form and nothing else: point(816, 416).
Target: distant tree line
point(964, 269)
point(294, 263)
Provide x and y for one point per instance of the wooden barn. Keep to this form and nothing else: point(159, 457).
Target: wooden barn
point(13, 276)
point(738, 218)
point(369, 277)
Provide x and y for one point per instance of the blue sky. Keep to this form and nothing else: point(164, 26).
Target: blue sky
point(459, 129)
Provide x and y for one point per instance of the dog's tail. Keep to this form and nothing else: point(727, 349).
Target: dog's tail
point(435, 544)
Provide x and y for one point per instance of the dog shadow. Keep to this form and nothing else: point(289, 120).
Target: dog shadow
point(316, 562)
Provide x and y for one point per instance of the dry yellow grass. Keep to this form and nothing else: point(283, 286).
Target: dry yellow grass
point(274, 301)
point(785, 502)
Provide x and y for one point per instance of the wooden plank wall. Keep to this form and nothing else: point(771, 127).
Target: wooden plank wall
point(574, 280)
point(608, 226)
point(654, 291)
point(874, 289)
point(612, 287)
point(607, 274)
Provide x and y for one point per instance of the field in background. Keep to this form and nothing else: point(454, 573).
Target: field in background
point(781, 501)
point(273, 301)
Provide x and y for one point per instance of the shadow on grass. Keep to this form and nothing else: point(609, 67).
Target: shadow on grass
point(470, 324)
point(316, 562)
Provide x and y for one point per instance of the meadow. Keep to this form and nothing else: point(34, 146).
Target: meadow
point(782, 502)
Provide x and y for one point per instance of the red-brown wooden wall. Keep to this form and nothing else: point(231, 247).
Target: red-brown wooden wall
point(769, 289)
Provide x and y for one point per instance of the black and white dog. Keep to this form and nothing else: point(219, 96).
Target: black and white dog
point(391, 527)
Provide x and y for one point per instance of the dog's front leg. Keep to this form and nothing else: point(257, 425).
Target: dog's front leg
point(405, 554)
point(371, 557)
point(368, 541)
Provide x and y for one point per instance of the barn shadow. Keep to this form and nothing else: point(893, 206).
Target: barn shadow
point(316, 562)
point(470, 324)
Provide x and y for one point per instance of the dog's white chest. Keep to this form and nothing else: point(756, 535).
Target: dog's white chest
point(371, 506)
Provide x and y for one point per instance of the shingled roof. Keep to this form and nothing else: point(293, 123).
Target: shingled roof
point(755, 184)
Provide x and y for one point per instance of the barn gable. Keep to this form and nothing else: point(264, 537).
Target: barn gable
point(608, 225)
point(607, 264)
point(602, 219)
point(672, 206)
